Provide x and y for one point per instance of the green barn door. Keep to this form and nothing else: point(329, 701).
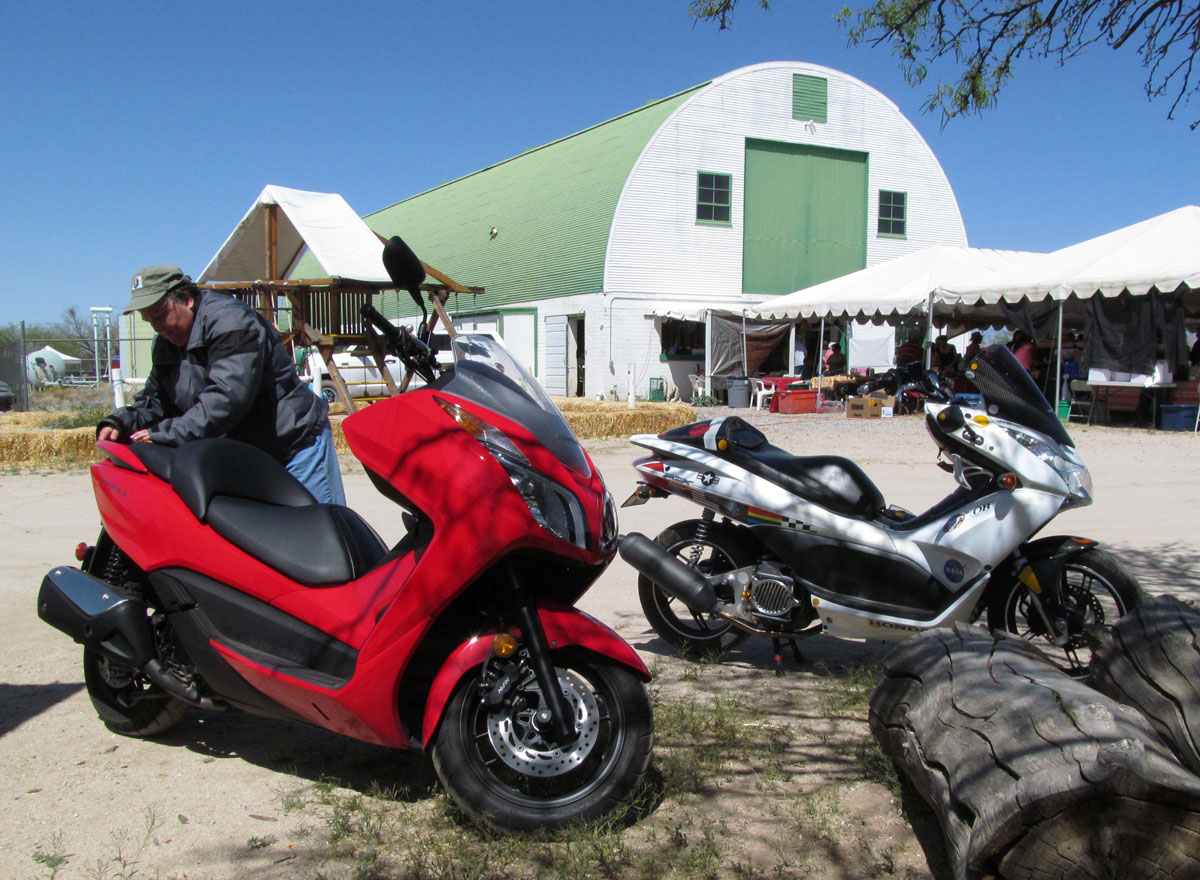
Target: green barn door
point(806, 215)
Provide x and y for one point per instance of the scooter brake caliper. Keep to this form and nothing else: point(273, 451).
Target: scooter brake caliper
point(500, 679)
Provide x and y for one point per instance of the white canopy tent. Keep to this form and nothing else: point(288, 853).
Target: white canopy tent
point(892, 289)
point(1162, 253)
point(887, 292)
point(272, 236)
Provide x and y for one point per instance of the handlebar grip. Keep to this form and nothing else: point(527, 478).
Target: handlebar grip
point(386, 327)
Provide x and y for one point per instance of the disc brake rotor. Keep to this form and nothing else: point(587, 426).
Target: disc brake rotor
point(522, 746)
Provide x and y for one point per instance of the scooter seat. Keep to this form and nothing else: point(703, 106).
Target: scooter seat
point(833, 482)
point(251, 500)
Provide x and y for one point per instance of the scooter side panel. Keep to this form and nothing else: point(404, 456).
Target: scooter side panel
point(147, 520)
point(364, 709)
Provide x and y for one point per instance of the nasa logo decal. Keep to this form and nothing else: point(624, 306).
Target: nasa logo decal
point(953, 570)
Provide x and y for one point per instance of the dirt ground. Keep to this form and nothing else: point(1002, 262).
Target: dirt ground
point(217, 783)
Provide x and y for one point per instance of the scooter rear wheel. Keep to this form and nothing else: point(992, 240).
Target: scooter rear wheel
point(1098, 591)
point(719, 549)
point(505, 770)
point(126, 702)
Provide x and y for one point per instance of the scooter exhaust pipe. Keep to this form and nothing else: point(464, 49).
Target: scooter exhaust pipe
point(93, 614)
point(682, 582)
point(114, 626)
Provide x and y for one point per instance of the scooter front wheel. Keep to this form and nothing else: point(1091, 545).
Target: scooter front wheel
point(711, 549)
point(504, 768)
point(1097, 591)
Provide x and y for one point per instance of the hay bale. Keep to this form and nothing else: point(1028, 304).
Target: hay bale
point(41, 448)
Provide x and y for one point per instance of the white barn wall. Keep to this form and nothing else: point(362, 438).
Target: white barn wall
point(656, 250)
point(655, 243)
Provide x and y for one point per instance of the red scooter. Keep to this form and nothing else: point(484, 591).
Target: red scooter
point(217, 582)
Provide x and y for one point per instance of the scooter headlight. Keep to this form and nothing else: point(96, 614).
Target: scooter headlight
point(1064, 462)
point(555, 507)
point(608, 533)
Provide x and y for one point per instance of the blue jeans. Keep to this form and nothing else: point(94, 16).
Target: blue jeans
point(316, 466)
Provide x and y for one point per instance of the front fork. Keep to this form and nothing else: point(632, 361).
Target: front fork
point(555, 704)
point(1047, 597)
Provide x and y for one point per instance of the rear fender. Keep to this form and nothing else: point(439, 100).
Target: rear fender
point(564, 626)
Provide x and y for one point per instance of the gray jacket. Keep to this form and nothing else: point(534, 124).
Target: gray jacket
point(233, 379)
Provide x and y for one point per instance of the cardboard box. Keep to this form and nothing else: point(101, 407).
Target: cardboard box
point(875, 406)
point(863, 408)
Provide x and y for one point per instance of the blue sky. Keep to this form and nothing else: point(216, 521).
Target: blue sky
point(136, 132)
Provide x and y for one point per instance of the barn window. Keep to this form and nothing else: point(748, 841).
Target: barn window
point(810, 97)
point(893, 213)
point(713, 198)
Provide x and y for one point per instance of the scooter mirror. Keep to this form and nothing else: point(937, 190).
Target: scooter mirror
point(402, 265)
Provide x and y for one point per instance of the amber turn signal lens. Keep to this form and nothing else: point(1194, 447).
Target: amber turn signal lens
point(1008, 481)
point(504, 645)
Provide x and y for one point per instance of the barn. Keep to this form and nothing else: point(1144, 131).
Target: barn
point(601, 254)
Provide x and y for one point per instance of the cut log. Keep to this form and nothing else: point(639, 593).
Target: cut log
point(1030, 773)
point(1151, 661)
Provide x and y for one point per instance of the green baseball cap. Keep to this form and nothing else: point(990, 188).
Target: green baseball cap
point(152, 283)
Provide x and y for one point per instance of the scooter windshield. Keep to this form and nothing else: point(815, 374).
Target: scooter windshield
point(485, 373)
point(1010, 393)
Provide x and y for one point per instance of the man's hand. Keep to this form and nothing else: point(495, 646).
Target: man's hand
point(107, 432)
point(142, 436)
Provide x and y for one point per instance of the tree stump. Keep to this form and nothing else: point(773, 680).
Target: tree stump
point(1151, 661)
point(1032, 774)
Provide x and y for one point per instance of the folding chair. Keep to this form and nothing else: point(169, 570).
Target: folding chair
point(1081, 400)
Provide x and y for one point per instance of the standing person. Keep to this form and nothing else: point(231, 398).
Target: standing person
point(799, 356)
point(973, 347)
point(910, 352)
point(835, 361)
point(219, 369)
point(1023, 349)
point(945, 355)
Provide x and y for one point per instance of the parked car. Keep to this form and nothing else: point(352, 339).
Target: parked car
point(7, 398)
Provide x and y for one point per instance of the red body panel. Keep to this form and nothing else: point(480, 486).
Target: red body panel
point(478, 519)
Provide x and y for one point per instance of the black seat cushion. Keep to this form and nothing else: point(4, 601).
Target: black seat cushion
point(157, 458)
point(205, 469)
point(833, 482)
point(314, 545)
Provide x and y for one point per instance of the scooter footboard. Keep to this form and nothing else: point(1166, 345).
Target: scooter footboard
point(564, 627)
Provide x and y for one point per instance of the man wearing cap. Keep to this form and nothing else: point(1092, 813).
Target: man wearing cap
point(219, 369)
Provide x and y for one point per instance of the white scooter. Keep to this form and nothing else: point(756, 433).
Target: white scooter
point(806, 544)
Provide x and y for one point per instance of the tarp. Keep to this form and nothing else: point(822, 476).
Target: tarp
point(894, 288)
point(342, 243)
point(1161, 253)
point(697, 310)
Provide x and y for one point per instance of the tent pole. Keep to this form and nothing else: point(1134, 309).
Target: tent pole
point(929, 333)
point(1059, 376)
point(745, 358)
point(708, 352)
point(821, 368)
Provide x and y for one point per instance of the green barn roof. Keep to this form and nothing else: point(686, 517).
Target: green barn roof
point(552, 208)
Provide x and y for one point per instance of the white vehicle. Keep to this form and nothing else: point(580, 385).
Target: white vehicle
point(806, 544)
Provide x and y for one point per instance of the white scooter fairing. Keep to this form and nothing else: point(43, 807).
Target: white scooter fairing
point(865, 570)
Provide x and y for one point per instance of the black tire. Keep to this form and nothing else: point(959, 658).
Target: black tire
point(1098, 592)
point(505, 775)
point(127, 703)
point(696, 635)
point(329, 394)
